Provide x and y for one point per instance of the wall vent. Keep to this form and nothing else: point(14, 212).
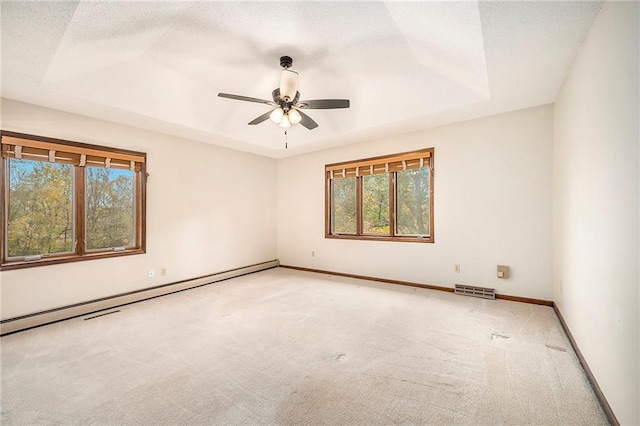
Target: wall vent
point(468, 290)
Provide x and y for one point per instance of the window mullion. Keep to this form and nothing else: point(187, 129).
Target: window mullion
point(392, 204)
point(80, 211)
point(329, 206)
point(4, 173)
point(359, 215)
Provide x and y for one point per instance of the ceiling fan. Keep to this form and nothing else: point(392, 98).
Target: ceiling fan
point(286, 100)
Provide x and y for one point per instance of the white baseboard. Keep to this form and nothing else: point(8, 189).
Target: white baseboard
point(12, 325)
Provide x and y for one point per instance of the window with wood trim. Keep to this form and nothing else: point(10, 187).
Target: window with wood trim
point(66, 201)
point(386, 198)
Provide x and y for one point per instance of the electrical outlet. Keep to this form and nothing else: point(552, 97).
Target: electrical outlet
point(151, 273)
point(313, 253)
point(163, 271)
point(456, 268)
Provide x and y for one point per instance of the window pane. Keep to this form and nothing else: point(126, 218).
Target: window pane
point(110, 208)
point(375, 204)
point(40, 208)
point(344, 206)
point(412, 198)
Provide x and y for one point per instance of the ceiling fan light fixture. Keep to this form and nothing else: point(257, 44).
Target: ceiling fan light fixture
point(276, 115)
point(285, 121)
point(294, 116)
point(288, 84)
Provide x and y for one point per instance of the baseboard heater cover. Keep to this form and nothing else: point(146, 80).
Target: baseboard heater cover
point(468, 290)
point(24, 322)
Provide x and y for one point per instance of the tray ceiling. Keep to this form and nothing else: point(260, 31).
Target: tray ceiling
point(405, 66)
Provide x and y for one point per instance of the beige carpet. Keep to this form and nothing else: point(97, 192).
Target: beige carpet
point(287, 347)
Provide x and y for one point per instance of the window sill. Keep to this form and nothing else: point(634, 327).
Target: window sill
point(54, 260)
point(381, 238)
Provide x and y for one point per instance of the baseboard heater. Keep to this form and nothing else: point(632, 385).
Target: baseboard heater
point(467, 290)
point(12, 325)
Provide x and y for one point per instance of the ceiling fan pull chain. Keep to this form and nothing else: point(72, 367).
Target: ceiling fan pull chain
point(286, 145)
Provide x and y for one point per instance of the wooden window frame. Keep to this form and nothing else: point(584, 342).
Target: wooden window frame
point(79, 253)
point(367, 162)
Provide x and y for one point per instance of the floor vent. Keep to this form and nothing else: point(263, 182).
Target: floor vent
point(467, 290)
point(101, 315)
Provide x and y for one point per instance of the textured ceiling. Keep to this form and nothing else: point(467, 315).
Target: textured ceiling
point(405, 66)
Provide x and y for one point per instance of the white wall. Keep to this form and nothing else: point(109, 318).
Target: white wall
point(596, 195)
point(492, 206)
point(210, 213)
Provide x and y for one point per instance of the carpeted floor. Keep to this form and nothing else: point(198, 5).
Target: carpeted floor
point(288, 347)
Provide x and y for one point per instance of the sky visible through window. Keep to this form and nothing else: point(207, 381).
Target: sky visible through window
point(29, 165)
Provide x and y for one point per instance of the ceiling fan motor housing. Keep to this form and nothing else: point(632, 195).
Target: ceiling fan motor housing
point(288, 84)
point(282, 102)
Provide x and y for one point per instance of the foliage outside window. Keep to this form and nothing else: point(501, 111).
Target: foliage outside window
point(66, 201)
point(344, 205)
point(110, 208)
point(385, 198)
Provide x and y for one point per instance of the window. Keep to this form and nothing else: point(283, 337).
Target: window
point(344, 206)
point(110, 213)
point(375, 204)
point(385, 198)
point(66, 201)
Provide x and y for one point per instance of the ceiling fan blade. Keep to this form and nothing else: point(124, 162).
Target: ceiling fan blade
point(307, 121)
point(324, 104)
point(260, 119)
point(245, 98)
